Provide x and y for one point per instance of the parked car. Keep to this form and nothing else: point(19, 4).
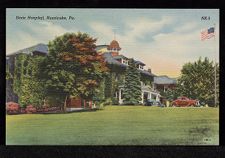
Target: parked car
point(185, 102)
point(153, 103)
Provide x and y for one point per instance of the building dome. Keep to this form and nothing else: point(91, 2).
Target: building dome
point(114, 45)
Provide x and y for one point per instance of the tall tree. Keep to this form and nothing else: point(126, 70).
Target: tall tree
point(132, 85)
point(72, 67)
point(197, 81)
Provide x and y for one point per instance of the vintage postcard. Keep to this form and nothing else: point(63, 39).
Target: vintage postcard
point(112, 76)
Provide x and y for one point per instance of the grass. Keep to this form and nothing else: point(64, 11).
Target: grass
point(117, 125)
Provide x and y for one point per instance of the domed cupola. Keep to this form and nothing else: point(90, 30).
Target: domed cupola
point(114, 48)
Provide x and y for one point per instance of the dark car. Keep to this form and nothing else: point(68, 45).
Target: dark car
point(154, 103)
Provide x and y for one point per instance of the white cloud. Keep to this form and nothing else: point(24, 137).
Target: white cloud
point(134, 29)
point(41, 32)
point(191, 25)
point(103, 31)
point(48, 30)
point(141, 26)
point(21, 40)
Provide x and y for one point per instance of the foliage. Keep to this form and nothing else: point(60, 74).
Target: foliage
point(25, 84)
point(108, 86)
point(132, 85)
point(114, 79)
point(30, 109)
point(12, 108)
point(108, 101)
point(171, 94)
point(72, 67)
point(99, 95)
point(147, 80)
point(197, 81)
point(115, 101)
point(54, 99)
point(8, 74)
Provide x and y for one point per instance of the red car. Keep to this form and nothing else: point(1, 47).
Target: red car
point(184, 102)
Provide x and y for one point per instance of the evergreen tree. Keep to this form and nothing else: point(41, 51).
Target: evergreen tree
point(132, 85)
point(108, 86)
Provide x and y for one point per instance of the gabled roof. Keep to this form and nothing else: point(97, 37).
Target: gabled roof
point(43, 48)
point(147, 73)
point(164, 80)
point(139, 62)
point(120, 57)
point(111, 60)
point(99, 47)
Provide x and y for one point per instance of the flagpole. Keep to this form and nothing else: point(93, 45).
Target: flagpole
point(215, 65)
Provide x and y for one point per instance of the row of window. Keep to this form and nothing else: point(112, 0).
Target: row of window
point(126, 63)
point(114, 49)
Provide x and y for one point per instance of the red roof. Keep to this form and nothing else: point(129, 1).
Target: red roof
point(114, 45)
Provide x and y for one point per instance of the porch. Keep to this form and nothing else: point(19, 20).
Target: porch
point(146, 93)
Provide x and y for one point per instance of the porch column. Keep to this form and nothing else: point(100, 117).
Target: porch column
point(153, 86)
point(157, 97)
point(150, 96)
point(142, 97)
point(120, 99)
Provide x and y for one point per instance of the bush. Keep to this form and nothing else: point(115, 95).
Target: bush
point(108, 101)
point(12, 108)
point(22, 110)
point(115, 101)
point(30, 109)
point(48, 109)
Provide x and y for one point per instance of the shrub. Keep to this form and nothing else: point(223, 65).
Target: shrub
point(22, 110)
point(44, 109)
point(108, 101)
point(30, 109)
point(12, 108)
point(115, 101)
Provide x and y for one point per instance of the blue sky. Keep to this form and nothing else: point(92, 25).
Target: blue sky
point(164, 39)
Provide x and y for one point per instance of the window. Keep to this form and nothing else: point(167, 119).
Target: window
point(141, 67)
point(125, 61)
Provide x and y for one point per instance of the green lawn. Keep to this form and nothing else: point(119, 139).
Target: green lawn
point(117, 125)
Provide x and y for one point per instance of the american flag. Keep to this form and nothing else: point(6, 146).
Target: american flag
point(207, 34)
